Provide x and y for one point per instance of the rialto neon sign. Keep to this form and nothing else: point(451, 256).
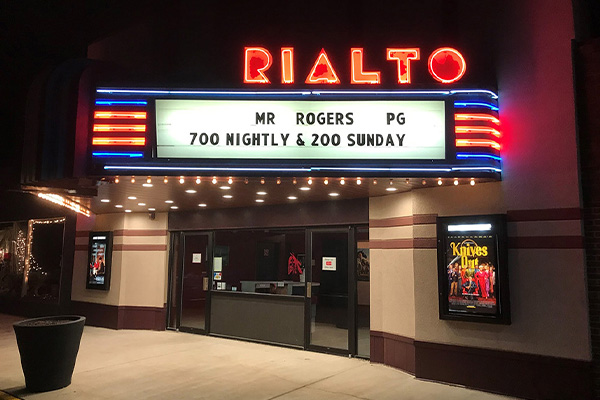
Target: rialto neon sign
point(445, 65)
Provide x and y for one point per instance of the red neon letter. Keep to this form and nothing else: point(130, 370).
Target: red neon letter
point(287, 65)
point(447, 65)
point(356, 64)
point(403, 57)
point(256, 61)
point(322, 71)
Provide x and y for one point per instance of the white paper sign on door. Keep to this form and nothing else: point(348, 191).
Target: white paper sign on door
point(329, 264)
point(218, 264)
point(197, 258)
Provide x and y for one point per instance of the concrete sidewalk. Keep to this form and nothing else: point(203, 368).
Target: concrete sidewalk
point(170, 365)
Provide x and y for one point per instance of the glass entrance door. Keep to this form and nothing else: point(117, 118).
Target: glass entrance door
point(196, 281)
point(331, 307)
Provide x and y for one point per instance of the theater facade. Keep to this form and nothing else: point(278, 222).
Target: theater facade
point(362, 185)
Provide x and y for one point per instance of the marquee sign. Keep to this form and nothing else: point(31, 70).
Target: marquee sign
point(446, 65)
point(301, 130)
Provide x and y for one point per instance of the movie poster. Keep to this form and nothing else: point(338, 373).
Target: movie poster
point(98, 268)
point(472, 268)
point(471, 273)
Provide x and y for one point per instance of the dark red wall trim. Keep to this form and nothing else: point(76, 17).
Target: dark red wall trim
point(81, 247)
point(515, 374)
point(418, 219)
point(393, 350)
point(85, 234)
point(413, 243)
point(121, 317)
point(546, 242)
point(548, 214)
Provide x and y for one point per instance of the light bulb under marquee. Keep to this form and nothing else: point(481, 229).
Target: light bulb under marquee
point(214, 180)
point(227, 196)
point(133, 179)
point(166, 180)
point(292, 198)
point(230, 180)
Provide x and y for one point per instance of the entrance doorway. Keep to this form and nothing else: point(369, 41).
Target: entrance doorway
point(309, 281)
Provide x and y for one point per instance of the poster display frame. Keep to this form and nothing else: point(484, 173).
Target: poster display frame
point(497, 236)
point(107, 257)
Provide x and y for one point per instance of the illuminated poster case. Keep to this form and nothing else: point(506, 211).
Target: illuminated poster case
point(99, 261)
point(472, 269)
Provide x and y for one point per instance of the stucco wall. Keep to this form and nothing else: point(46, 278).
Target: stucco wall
point(139, 260)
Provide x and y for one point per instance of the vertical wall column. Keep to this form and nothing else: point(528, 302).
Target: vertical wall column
point(137, 295)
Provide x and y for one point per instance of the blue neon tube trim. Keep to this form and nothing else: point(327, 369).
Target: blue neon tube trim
point(295, 92)
point(472, 155)
point(463, 104)
point(475, 91)
point(476, 169)
point(358, 169)
point(109, 154)
point(108, 102)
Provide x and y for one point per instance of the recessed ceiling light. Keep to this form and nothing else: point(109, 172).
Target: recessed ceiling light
point(333, 194)
point(190, 191)
point(152, 209)
point(391, 189)
point(259, 200)
point(202, 205)
point(261, 193)
point(174, 207)
point(305, 188)
point(128, 211)
point(227, 196)
point(169, 201)
point(119, 206)
point(292, 198)
point(224, 187)
point(105, 200)
point(141, 204)
point(147, 185)
point(132, 198)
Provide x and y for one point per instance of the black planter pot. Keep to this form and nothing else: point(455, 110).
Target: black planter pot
point(48, 348)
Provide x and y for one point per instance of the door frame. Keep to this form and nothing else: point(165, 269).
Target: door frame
point(209, 260)
point(350, 231)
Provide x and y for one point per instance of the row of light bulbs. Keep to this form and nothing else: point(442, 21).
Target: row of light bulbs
point(342, 181)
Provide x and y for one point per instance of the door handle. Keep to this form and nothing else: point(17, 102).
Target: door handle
point(205, 283)
point(309, 289)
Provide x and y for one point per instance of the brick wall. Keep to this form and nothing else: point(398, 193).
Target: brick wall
point(587, 59)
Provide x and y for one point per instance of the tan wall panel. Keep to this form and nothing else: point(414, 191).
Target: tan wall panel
point(392, 292)
point(545, 228)
point(143, 280)
point(397, 205)
point(138, 278)
point(483, 198)
point(549, 317)
point(425, 231)
point(396, 232)
point(140, 240)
